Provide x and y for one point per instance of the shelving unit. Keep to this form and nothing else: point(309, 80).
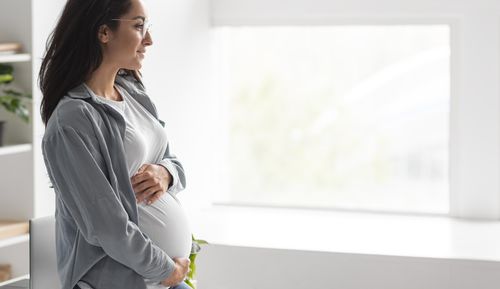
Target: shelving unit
point(20, 282)
point(17, 190)
point(14, 240)
point(9, 230)
point(12, 149)
point(12, 58)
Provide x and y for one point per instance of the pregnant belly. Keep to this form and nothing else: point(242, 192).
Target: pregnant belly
point(166, 224)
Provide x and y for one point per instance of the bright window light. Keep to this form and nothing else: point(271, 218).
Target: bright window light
point(348, 116)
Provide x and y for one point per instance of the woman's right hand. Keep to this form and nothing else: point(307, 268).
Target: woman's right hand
point(179, 273)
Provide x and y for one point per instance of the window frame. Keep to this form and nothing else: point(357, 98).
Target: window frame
point(474, 137)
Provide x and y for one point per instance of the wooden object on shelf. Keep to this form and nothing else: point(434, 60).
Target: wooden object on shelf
point(5, 272)
point(10, 48)
point(11, 229)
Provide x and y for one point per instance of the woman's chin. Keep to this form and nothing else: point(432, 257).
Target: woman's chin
point(136, 66)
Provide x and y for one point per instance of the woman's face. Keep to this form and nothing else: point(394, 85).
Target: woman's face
point(125, 47)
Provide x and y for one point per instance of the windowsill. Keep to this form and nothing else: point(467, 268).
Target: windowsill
point(348, 232)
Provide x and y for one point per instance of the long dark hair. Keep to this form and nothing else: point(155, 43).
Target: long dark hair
point(73, 50)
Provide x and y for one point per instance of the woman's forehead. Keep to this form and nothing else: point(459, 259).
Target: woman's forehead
point(137, 10)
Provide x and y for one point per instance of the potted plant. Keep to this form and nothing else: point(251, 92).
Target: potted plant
point(11, 99)
point(195, 249)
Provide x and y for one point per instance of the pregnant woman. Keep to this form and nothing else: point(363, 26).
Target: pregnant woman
point(118, 221)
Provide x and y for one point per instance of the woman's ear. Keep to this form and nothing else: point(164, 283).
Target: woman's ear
point(104, 33)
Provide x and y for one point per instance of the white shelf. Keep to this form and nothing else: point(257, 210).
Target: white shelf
point(10, 58)
point(21, 280)
point(14, 149)
point(14, 240)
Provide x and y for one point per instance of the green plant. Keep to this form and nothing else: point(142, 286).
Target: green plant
point(10, 99)
point(195, 248)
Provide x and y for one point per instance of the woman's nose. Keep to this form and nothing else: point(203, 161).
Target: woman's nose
point(148, 40)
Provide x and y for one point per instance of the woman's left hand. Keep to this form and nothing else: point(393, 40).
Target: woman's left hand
point(150, 182)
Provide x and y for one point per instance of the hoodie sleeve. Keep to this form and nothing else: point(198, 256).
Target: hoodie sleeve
point(78, 173)
point(172, 164)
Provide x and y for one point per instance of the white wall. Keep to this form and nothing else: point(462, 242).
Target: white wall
point(177, 78)
point(44, 17)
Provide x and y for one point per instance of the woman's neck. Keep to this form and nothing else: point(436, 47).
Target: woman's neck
point(102, 82)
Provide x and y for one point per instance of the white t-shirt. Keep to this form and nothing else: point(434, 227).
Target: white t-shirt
point(164, 221)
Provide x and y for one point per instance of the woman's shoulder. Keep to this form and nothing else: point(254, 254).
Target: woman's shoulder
point(73, 113)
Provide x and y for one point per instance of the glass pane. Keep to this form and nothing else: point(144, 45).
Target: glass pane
point(352, 117)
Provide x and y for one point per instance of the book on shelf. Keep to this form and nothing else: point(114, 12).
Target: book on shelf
point(10, 48)
point(12, 229)
point(5, 272)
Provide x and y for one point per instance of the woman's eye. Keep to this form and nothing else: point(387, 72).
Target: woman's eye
point(139, 26)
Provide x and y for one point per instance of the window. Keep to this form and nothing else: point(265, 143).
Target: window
point(342, 116)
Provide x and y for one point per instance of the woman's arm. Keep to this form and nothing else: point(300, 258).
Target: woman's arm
point(174, 167)
point(78, 172)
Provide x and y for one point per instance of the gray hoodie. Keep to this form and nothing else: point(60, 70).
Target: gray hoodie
point(97, 236)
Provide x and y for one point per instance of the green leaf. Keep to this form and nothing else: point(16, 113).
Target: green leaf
point(6, 69)
point(11, 101)
point(198, 241)
point(6, 75)
point(192, 265)
point(188, 281)
point(202, 242)
point(6, 78)
point(23, 113)
point(195, 248)
point(192, 257)
point(13, 104)
point(12, 92)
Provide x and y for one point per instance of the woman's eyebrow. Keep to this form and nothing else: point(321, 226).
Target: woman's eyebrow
point(139, 17)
